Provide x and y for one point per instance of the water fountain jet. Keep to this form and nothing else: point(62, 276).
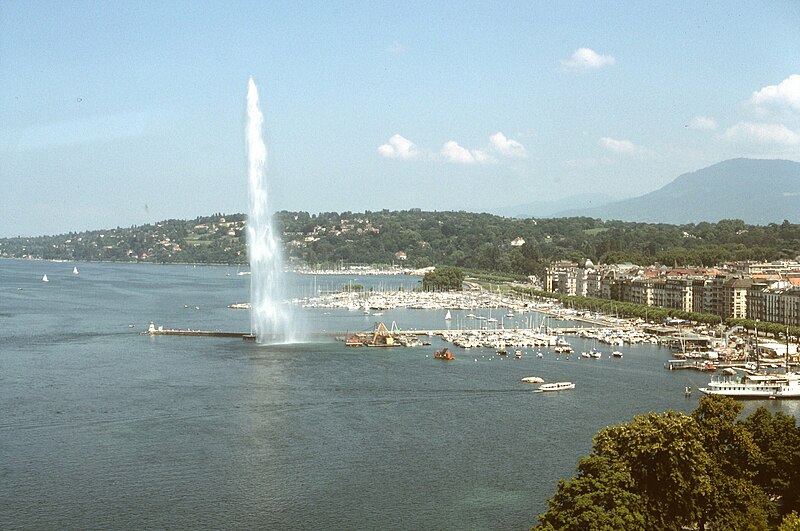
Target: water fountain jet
point(270, 319)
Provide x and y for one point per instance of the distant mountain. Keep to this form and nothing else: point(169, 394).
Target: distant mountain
point(756, 191)
point(546, 209)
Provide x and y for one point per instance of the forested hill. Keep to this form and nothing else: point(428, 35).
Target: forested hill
point(463, 239)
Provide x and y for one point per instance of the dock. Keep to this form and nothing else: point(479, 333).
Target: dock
point(698, 365)
point(161, 331)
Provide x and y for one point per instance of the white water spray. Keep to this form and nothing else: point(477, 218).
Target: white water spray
point(270, 319)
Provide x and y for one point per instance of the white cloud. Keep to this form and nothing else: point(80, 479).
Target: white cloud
point(399, 147)
point(787, 92)
point(703, 123)
point(453, 152)
point(764, 133)
point(506, 146)
point(617, 146)
point(587, 59)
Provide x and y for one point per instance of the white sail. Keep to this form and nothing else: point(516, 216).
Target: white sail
point(448, 316)
point(44, 279)
point(75, 270)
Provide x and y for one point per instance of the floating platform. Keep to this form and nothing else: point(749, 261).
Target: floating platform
point(698, 365)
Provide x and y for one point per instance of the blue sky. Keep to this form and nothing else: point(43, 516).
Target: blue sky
point(113, 114)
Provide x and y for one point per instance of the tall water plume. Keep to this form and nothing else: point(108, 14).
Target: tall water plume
point(270, 319)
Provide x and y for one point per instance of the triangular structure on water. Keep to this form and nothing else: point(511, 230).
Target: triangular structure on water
point(448, 316)
point(382, 337)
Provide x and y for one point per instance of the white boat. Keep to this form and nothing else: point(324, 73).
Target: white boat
point(75, 270)
point(533, 379)
point(448, 316)
point(755, 386)
point(44, 279)
point(617, 354)
point(594, 353)
point(558, 386)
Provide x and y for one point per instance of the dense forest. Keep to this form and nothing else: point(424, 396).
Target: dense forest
point(418, 238)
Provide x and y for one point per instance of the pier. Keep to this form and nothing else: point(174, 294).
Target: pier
point(161, 331)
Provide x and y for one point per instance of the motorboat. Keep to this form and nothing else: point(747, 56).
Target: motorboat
point(443, 354)
point(616, 354)
point(558, 386)
point(533, 379)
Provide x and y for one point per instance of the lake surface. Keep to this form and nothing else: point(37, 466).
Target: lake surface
point(104, 428)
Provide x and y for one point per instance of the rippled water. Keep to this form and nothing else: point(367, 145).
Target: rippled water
point(104, 428)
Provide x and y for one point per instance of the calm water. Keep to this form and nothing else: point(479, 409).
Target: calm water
point(103, 428)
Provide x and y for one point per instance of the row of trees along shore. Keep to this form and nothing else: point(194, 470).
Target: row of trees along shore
point(460, 239)
point(671, 471)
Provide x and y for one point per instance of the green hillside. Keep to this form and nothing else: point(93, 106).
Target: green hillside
point(416, 238)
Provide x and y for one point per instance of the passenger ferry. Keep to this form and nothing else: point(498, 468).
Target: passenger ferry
point(755, 386)
point(558, 386)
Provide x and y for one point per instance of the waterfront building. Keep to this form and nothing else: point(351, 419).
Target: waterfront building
point(560, 277)
point(641, 291)
point(766, 295)
point(583, 277)
point(673, 293)
point(782, 306)
point(759, 268)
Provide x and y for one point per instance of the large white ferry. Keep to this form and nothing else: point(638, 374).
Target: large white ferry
point(755, 386)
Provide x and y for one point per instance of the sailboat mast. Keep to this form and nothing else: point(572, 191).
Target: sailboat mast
point(758, 362)
point(787, 350)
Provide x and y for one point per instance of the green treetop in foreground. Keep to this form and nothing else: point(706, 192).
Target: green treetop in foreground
point(704, 471)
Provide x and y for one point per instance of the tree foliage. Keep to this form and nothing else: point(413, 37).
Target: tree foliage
point(706, 471)
point(459, 239)
point(443, 279)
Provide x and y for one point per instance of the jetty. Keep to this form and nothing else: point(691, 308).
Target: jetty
point(161, 331)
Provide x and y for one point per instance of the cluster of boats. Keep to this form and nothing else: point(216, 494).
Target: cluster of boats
point(426, 300)
point(496, 339)
point(618, 336)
